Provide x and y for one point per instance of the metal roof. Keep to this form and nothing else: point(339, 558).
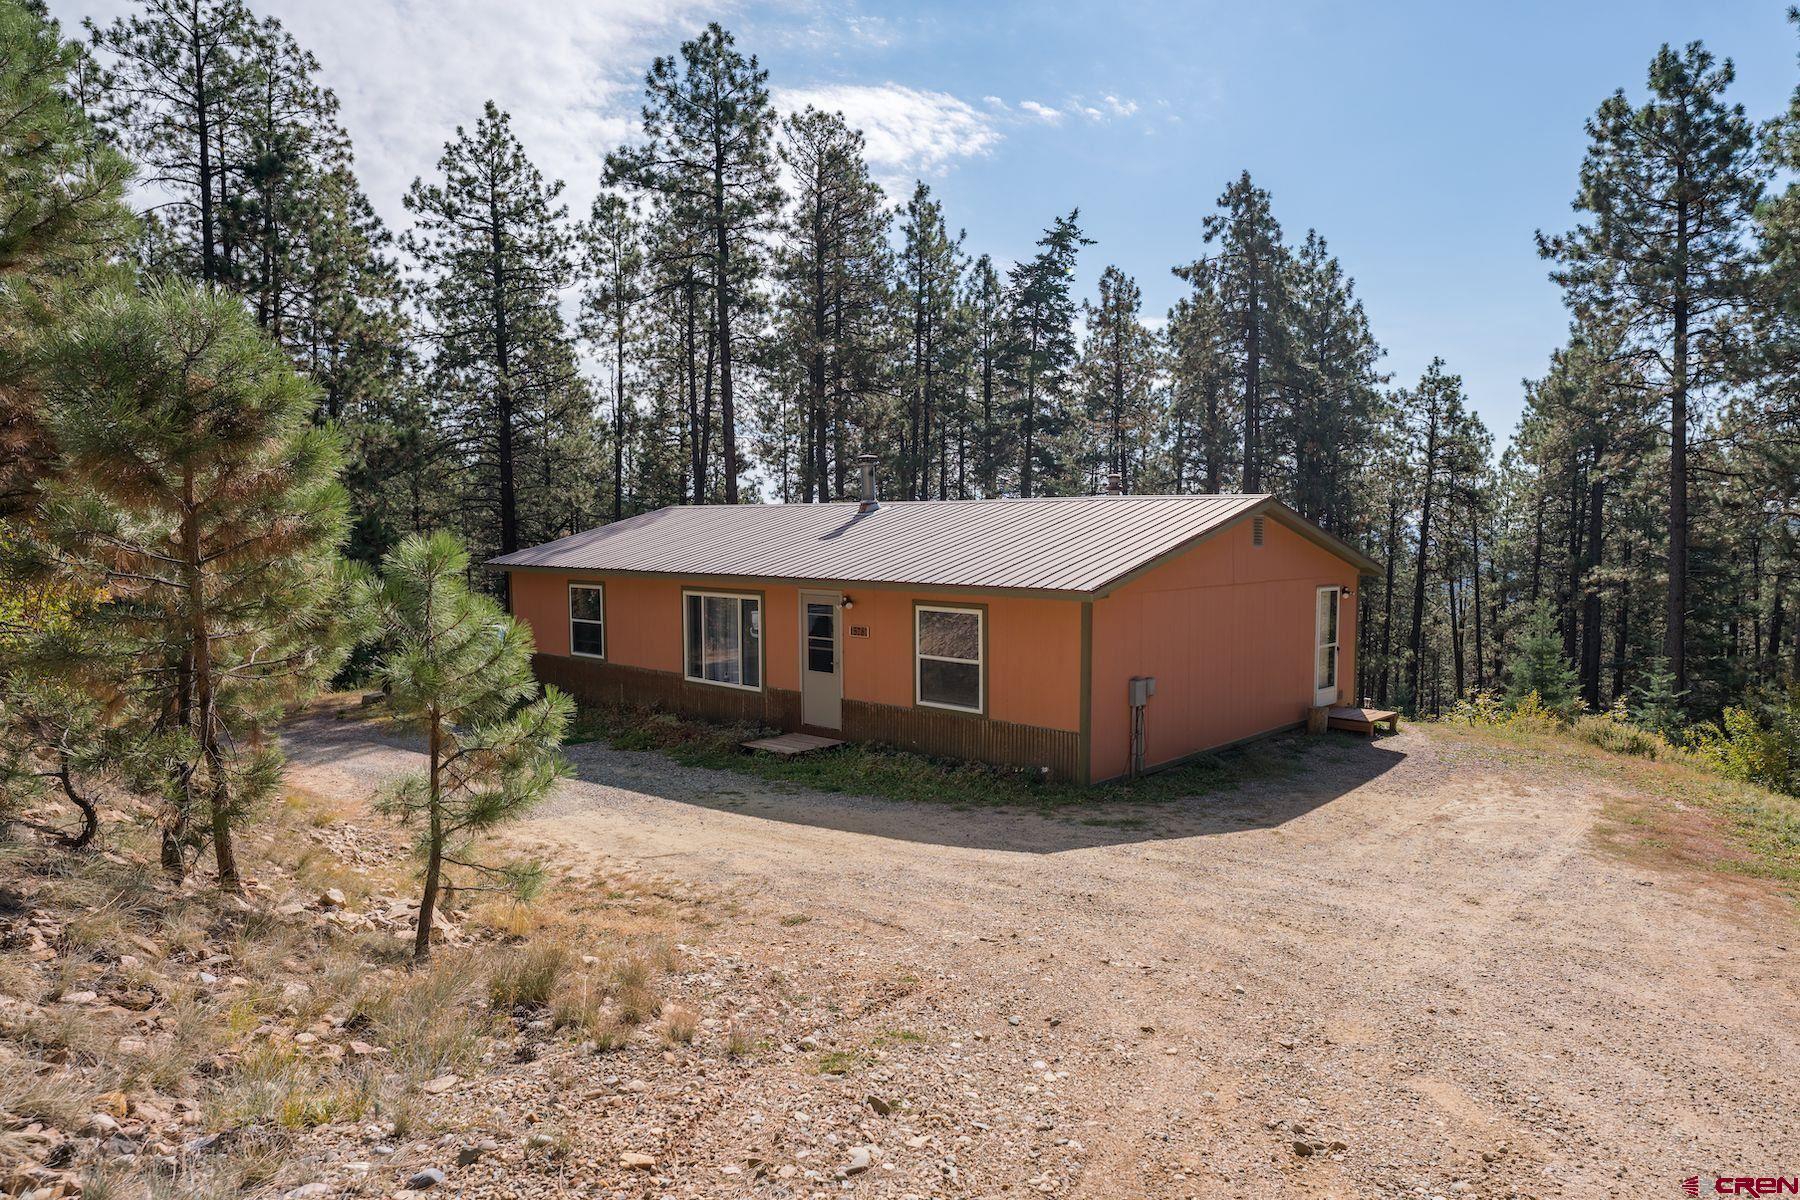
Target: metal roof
point(1076, 544)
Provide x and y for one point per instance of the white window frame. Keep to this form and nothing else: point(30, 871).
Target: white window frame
point(1336, 645)
point(761, 641)
point(587, 587)
point(980, 662)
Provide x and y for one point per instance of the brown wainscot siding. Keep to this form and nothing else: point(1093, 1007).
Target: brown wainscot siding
point(594, 682)
point(965, 735)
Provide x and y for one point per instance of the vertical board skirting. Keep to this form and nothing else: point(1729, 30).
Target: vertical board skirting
point(924, 730)
point(964, 735)
point(595, 682)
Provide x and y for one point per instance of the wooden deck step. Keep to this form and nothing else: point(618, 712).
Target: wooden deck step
point(789, 744)
point(1363, 720)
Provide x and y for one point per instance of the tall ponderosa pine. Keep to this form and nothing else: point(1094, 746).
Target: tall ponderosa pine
point(707, 156)
point(1040, 352)
point(1202, 434)
point(196, 495)
point(61, 217)
point(177, 78)
point(925, 297)
point(1669, 188)
point(832, 270)
point(613, 263)
point(458, 669)
point(1250, 276)
point(490, 239)
point(1333, 401)
point(1120, 367)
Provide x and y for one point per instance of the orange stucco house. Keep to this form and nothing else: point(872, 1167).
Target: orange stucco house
point(1009, 631)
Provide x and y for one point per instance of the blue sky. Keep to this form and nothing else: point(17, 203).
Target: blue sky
point(1426, 141)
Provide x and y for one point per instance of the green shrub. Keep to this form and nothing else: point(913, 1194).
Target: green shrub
point(1610, 731)
point(1755, 750)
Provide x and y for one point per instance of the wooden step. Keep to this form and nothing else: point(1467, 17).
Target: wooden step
point(1364, 720)
point(789, 744)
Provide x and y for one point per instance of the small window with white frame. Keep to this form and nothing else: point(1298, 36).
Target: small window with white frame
point(587, 620)
point(948, 667)
point(723, 637)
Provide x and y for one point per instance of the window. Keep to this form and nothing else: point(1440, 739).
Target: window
point(724, 639)
point(949, 667)
point(587, 620)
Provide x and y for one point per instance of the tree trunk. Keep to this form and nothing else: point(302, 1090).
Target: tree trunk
point(434, 854)
point(1415, 639)
point(1675, 626)
point(509, 504)
point(205, 715)
point(722, 298)
point(1590, 598)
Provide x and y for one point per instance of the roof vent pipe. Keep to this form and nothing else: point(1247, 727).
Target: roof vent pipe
point(867, 501)
point(1113, 485)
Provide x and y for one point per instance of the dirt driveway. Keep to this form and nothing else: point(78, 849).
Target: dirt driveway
point(1407, 968)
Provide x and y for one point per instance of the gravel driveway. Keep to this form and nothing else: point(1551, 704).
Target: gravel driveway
point(1409, 968)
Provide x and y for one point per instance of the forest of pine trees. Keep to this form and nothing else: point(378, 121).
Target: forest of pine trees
point(744, 311)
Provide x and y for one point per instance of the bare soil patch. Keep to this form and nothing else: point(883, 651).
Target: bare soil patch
point(1414, 967)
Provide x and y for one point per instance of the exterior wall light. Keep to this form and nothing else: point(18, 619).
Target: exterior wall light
point(847, 602)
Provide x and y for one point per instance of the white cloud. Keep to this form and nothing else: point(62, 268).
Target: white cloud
point(409, 71)
point(908, 132)
point(1042, 112)
point(1118, 107)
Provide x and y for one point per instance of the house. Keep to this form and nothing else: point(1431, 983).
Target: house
point(1011, 631)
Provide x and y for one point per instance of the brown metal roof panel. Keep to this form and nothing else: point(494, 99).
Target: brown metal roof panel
point(1061, 544)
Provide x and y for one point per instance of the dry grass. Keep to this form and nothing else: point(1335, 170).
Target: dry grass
point(680, 1024)
point(589, 959)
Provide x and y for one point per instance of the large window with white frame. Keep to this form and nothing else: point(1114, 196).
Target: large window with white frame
point(723, 636)
point(949, 670)
point(587, 620)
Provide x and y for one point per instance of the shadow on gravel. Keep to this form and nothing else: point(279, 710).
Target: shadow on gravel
point(1259, 786)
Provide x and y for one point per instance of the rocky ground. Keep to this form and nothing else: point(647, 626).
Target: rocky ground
point(1425, 966)
point(1413, 967)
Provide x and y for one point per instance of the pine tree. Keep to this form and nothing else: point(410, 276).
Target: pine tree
point(1119, 369)
point(61, 217)
point(1204, 428)
point(708, 125)
point(194, 493)
point(984, 300)
point(1250, 276)
point(613, 264)
point(1669, 189)
point(925, 294)
point(459, 670)
point(1332, 388)
point(1433, 411)
point(491, 242)
point(1041, 351)
point(178, 84)
point(833, 295)
point(1538, 665)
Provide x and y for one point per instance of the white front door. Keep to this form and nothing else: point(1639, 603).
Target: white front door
point(821, 661)
point(1325, 643)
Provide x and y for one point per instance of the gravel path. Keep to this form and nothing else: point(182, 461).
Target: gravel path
point(1409, 969)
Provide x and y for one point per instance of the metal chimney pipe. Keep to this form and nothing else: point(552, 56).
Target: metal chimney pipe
point(867, 501)
point(1114, 485)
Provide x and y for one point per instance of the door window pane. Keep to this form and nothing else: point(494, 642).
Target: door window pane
point(750, 651)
